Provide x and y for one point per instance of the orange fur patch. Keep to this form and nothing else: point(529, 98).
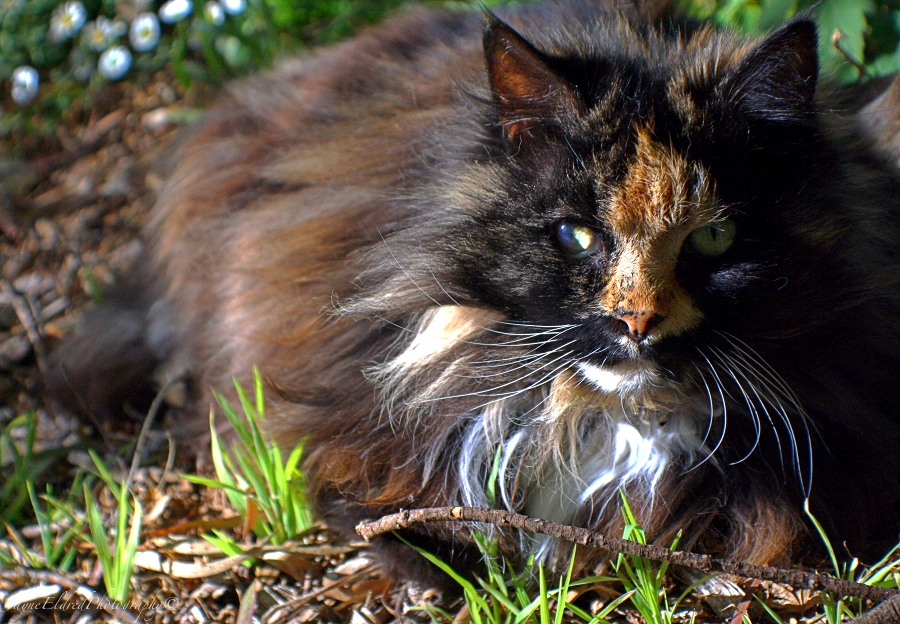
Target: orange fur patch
point(664, 198)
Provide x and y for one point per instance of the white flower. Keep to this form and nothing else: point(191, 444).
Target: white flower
point(100, 34)
point(67, 20)
point(234, 7)
point(214, 13)
point(175, 11)
point(114, 63)
point(25, 82)
point(144, 33)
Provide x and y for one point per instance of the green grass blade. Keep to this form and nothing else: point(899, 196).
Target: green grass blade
point(463, 582)
point(258, 393)
point(544, 603)
point(564, 588)
point(105, 474)
point(824, 537)
point(769, 611)
point(98, 535)
point(43, 522)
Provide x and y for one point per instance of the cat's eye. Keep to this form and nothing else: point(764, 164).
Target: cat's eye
point(713, 239)
point(579, 241)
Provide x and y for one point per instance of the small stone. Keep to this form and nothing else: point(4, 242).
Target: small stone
point(75, 226)
point(14, 349)
point(166, 93)
point(34, 283)
point(122, 258)
point(118, 182)
point(157, 119)
point(48, 232)
point(352, 566)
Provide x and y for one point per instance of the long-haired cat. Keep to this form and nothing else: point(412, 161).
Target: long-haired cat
point(601, 247)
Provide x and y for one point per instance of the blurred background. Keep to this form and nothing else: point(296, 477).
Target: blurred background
point(56, 57)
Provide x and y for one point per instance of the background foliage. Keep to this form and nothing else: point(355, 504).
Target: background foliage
point(46, 70)
point(858, 39)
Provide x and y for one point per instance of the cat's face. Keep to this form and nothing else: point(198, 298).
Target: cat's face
point(652, 204)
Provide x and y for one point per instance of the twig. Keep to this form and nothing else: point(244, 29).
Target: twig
point(54, 578)
point(888, 612)
point(279, 610)
point(145, 428)
point(29, 316)
point(705, 563)
point(836, 37)
point(170, 460)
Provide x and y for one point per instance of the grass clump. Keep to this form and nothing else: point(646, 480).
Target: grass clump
point(884, 573)
point(116, 557)
point(645, 579)
point(58, 528)
point(18, 465)
point(266, 488)
point(506, 597)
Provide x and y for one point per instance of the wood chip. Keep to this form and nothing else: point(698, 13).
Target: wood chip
point(150, 560)
point(32, 595)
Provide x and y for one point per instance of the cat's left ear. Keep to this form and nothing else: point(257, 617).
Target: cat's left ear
point(526, 90)
point(777, 80)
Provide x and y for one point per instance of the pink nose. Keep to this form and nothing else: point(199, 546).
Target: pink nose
point(639, 323)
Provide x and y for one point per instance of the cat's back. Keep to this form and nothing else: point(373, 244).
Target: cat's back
point(349, 115)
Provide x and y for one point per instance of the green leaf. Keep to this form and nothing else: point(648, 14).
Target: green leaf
point(774, 12)
point(848, 16)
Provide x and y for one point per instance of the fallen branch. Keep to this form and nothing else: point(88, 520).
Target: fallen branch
point(705, 563)
point(888, 612)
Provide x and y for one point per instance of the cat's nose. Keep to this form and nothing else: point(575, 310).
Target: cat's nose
point(639, 323)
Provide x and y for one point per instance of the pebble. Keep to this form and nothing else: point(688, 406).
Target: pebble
point(122, 258)
point(352, 566)
point(48, 232)
point(118, 182)
point(34, 283)
point(13, 350)
point(157, 119)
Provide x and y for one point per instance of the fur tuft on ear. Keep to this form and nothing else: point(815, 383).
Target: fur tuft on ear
point(777, 80)
point(526, 90)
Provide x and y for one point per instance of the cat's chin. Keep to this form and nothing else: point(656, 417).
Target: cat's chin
point(632, 378)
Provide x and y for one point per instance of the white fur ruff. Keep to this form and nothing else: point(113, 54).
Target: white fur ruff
point(562, 456)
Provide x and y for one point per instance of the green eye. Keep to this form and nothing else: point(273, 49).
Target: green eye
point(578, 241)
point(713, 239)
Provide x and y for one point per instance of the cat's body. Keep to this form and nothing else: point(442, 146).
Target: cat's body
point(626, 257)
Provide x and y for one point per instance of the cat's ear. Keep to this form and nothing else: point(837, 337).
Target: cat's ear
point(525, 88)
point(777, 80)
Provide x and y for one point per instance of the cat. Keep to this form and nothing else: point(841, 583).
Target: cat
point(595, 248)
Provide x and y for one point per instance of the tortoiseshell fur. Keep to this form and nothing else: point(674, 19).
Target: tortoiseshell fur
point(375, 227)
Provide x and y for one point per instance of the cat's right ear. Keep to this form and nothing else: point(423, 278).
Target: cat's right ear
point(526, 90)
